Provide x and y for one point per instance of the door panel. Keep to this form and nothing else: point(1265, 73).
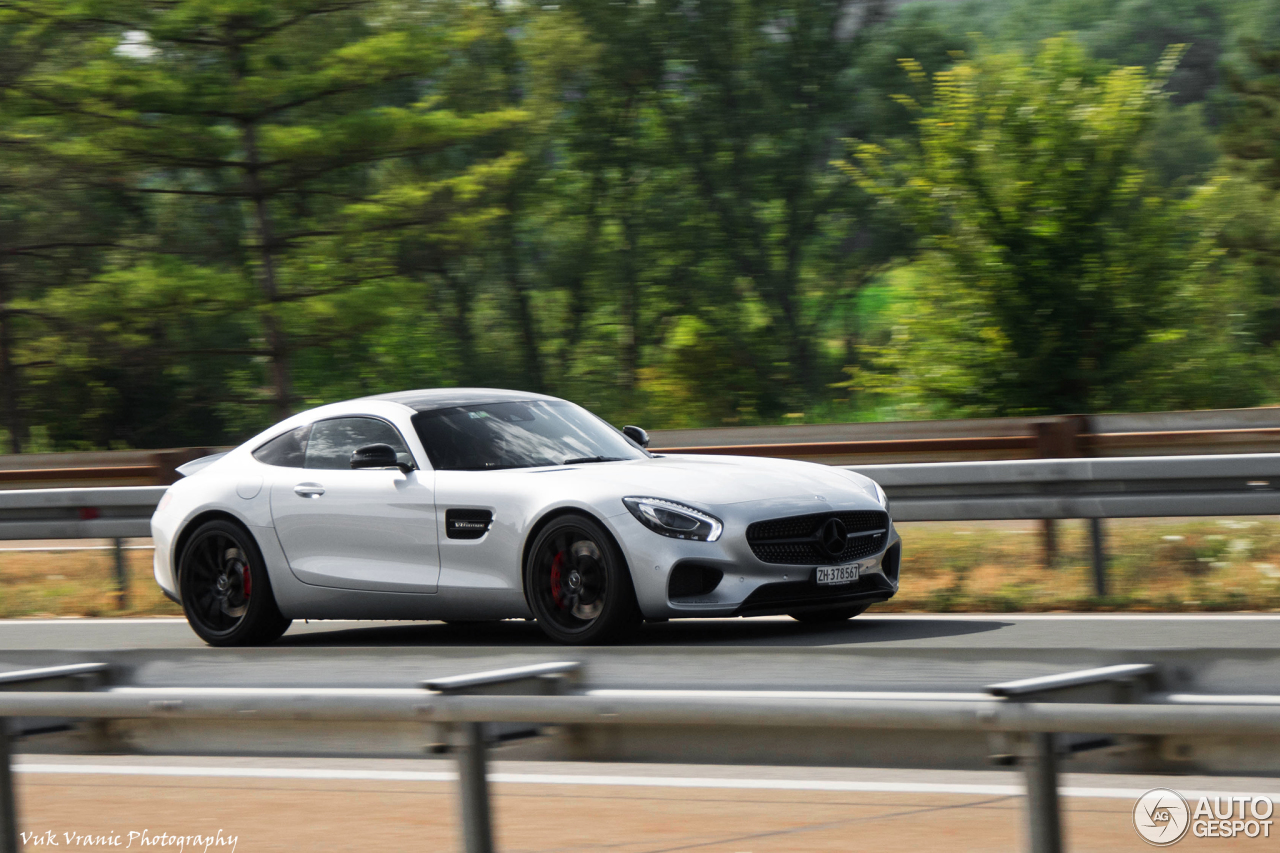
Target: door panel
point(371, 529)
point(365, 530)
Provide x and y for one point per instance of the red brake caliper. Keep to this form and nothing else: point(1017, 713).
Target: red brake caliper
point(246, 579)
point(556, 593)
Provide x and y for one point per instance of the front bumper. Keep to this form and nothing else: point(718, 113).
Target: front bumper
point(747, 585)
point(799, 596)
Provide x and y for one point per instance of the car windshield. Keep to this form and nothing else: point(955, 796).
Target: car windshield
point(529, 434)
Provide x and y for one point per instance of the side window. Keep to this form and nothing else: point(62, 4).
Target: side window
point(288, 450)
point(332, 442)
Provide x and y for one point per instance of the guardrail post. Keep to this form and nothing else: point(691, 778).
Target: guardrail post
point(1037, 753)
point(1049, 541)
point(77, 674)
point(471, 739)
point(1056, 438)
point(1040, 767)
point(122, 574)
point(473, 783)
point(8, 806)
point(1099, 556)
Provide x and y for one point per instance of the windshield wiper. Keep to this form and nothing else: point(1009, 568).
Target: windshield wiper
point(579, 460)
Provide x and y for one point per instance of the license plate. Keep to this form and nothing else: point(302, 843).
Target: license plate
point(831, 575)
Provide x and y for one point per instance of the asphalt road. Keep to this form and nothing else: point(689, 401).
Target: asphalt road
point(1224, 653)
point(972, 632)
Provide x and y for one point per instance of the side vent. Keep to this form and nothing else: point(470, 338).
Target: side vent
point(891, 562)
point(467, 523)
point(693, 579)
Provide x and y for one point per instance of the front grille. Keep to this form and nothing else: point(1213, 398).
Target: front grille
point(794, 541)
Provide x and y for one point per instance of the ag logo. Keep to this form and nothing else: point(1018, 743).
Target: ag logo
point(1161, 817)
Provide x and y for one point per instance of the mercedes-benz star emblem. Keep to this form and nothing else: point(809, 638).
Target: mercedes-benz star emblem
point(833, 536)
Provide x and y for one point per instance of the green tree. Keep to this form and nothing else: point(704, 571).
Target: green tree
point(754, 114)
point(278, 125)
point(1051, 267)
point(53, 227)
point(1252, 138)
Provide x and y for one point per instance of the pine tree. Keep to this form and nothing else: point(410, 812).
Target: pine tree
point(268, 128)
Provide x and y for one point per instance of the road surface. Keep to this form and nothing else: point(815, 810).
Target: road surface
point(1227, 652)
point(346, 804)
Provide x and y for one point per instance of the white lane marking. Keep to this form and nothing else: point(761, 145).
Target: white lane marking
point(85, 548)
point(411, 693)
point(613, 693)
point(869, 619)
point(91, 620)
point(151, 620)
point(1222, 699)
point(1072, 617)
point(594, 780)
point(607, 693)
point(368, 692)
point(239, 772)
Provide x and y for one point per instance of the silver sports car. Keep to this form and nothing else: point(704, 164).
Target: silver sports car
point(479, 504)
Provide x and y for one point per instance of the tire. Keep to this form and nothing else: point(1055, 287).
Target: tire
point(828, 614)
point(578, 584)
point(226, 594)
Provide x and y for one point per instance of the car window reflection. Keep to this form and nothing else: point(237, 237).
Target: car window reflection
point(517, 435)
point(333, 441)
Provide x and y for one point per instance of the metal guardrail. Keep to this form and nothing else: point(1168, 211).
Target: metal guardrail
point(1029, 715)
point(1094, 489)
point(1148, 434)
point(1133, 487)
point(1211, 431)
point(118, 513)
point(98, 513)
point(999, 447)
point(109, 467)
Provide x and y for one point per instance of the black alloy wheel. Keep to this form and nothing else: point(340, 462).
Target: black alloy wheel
point(578, 583)
point(828, 614)
point(224, 587)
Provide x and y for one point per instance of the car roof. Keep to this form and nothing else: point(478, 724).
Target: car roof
point(427, 399)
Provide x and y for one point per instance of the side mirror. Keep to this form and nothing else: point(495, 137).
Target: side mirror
point(377, 456)
point(637, 435)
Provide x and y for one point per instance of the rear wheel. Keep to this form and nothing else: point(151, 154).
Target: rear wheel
point(225, 591)
point(578, 583)
point(828, 614)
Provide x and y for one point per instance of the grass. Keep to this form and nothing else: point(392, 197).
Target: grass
point(78, 583)
point(1154, 565)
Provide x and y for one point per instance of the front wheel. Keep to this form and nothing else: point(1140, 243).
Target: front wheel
point(828, 614)
point(225, 591)
point(578, 583)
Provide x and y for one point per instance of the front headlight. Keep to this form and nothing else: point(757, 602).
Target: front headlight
point(675, 520)
point(881, 496)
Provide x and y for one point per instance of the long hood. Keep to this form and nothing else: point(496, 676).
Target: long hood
point(719, 480)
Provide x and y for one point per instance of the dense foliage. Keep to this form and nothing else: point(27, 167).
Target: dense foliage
point(678, 212)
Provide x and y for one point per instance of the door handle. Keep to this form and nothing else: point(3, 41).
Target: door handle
point(308, 490)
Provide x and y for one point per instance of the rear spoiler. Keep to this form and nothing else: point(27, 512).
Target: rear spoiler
point(189, 468)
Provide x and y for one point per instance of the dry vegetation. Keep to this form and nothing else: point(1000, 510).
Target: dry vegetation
point(1166, 565)
point(77, 583)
